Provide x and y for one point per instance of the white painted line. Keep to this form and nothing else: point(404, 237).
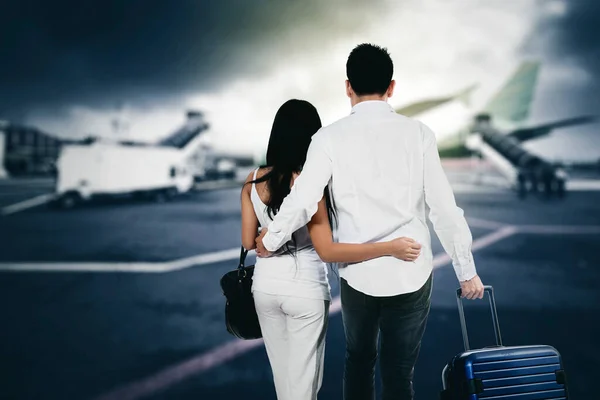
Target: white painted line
point(203, 259)
point(24, 205)
point(497, 185)
point(85, 267)
point(178, 372)
point(470, 188)
point(583, 185)
point(23, 192)
point(233, 254)
point(493, 237)
point(484, 223)
point(560, 229)
point(220, 355)
point(148, 267)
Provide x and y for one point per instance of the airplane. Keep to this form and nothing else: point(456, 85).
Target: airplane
point(496, 133)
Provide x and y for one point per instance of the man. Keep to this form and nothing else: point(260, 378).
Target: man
point(383, 168)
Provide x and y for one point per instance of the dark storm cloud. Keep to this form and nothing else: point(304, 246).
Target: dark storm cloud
point(568, 43)
point(57, 53)
point(570, 40)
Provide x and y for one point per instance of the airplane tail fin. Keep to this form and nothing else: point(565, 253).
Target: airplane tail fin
point(513, 102)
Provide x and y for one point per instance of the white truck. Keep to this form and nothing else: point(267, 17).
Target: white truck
point(105, 168)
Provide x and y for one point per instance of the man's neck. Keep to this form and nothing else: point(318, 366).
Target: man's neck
point(370, 97)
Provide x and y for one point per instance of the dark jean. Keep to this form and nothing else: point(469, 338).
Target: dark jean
point(401, 320)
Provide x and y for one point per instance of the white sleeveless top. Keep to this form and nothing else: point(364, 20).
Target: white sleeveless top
point(295, 269)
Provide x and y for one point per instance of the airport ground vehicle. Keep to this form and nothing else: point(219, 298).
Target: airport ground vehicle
point(111, 168)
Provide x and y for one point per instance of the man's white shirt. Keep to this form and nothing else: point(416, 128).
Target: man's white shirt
point(384, 170)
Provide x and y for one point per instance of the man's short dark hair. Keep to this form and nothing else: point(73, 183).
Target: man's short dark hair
point(369, 69)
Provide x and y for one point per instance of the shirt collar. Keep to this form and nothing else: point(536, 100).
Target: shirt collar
point(372, 106)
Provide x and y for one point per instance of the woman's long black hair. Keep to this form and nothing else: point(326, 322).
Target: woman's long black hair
point(295, 123)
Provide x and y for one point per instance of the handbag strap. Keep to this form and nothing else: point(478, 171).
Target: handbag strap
point(243, 254)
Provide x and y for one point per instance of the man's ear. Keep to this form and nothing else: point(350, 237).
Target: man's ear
point(349, 90)
point(391, 88)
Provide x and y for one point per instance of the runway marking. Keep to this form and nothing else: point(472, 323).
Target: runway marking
point(20, 193)
point(583, 185)
point(466, 188)
point(493, 237)
point(147, 267)
point(492, 185)
point(29, 203)
point(559, 229)
point(178, 372)
point(85, 267)
point(203, 259)
point(485, 223)
point(232, 254)
point(221, 354)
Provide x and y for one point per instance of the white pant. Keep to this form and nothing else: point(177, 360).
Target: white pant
point(294, 331)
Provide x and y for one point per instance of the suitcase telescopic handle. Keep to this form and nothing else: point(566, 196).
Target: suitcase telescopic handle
point(463, 323)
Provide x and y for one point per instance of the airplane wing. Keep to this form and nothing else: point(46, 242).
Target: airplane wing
point(533, 132)
point(419, 107)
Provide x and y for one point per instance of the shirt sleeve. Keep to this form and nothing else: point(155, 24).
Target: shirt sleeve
point(447, 218)
point(301, 204)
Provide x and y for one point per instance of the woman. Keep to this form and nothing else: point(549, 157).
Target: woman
point(290, 289)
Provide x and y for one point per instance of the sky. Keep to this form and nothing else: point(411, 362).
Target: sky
point(72, 67)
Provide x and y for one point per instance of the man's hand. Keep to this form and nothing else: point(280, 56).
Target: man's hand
point(405, 249)
point(260, 248)
point(472, 289)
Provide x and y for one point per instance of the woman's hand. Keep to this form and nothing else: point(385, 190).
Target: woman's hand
point(405, 249)
point(261, 251)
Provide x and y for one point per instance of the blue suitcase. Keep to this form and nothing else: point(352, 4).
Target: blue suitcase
point(503, 372)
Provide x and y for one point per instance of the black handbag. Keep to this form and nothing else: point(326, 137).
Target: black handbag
point(241, 319)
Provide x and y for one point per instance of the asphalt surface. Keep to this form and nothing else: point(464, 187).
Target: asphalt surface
point(14, 191)
point(76, 334)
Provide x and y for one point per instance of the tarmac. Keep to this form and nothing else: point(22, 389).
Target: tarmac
point(120, 299)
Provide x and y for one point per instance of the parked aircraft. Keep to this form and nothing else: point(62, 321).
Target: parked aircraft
point(494, 133)
point(498, 131)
